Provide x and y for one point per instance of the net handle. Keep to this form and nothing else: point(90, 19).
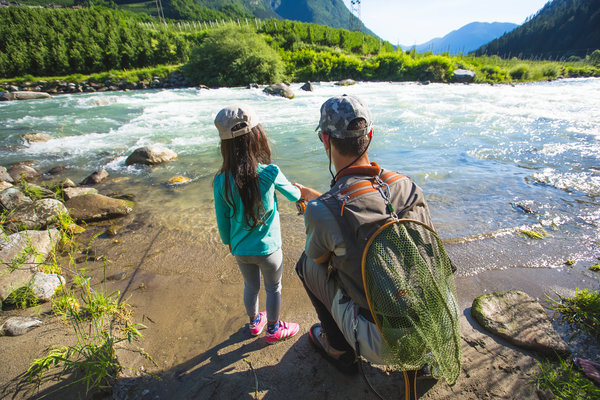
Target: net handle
point(364, 257)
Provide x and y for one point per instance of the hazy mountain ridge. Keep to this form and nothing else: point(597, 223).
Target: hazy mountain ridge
point(465, 39)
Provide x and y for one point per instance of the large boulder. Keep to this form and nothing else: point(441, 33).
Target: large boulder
point(279, 89)
point(5, 176)
point(96, 207)
point(464, 76)
point(96, 177)
point(37, 215)
point(23, 171)
point(4, 96)
point(12, 198)
point(151, 155)
point(521, 320)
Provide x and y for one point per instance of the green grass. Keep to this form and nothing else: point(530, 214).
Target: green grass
point(565, 382)
point(581, 311)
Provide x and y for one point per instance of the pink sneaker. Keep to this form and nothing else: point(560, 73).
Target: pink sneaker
point(285, 330)
point(256, 329)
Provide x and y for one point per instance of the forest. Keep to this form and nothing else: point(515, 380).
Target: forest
point(42, 42)
point(561, 29)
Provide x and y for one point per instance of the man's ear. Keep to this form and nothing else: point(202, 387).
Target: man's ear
point(325, 138)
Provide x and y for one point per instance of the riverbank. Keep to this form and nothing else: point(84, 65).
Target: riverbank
point(189, 297)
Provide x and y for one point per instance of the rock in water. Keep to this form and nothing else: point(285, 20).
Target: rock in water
point(17, 326)
point(464, 76)
point(520, 319)
point(346, 82)
point(279, 89)
point(151, 155)
point(36, 137)
point(95, 207)
point(95, 178)
point(307, 87)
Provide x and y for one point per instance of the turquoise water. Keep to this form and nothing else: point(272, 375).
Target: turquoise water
point(482, 154)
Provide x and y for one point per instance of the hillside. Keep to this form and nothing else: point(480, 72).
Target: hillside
point(466, 39)
point(332, 13)
point(562, 28)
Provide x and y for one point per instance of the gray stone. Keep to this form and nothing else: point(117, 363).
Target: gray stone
point(307, 87)
point(151, 155)
point(279, 89)
point(30, 247)
point(71, 192)
point(464, 76)
point(37, 215)
point(521, 320)
point(12, 198)
point(346, 82)
point(67, 183)
point(5, 185)
point(17, 326)
point(42, 192)
point(5, 176)
point(45, 285)
point(96, 177)
point(94, 207)
point(24, 95)
point(36, 137)
point(24, 171)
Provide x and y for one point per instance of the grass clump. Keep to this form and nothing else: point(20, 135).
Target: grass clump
point(100, 323)
point(595, 268)
point(581, 311)
point(565, 381)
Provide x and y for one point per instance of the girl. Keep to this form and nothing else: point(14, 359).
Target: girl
point(248, 216)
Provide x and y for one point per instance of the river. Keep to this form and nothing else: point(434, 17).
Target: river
point(492, 160)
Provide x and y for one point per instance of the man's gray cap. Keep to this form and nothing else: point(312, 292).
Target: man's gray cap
point(339, 111)
point(233, 115)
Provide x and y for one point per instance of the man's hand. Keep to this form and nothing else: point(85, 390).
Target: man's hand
point(307, 193)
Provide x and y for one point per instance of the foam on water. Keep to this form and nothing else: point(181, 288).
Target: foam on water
point(478, 151)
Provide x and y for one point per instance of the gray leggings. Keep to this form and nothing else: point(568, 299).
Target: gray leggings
point(271, 267)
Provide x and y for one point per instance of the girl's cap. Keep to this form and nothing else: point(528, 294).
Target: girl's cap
point(234, 115)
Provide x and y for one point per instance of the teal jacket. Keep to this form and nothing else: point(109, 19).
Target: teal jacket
point(263, 239)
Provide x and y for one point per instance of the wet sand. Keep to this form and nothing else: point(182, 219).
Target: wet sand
point(187, 290)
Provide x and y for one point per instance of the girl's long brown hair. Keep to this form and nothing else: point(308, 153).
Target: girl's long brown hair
point(241, 156)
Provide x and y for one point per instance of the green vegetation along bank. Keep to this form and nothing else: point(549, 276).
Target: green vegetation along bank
point(73, 44)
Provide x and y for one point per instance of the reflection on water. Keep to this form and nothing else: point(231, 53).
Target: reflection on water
point(491, 159)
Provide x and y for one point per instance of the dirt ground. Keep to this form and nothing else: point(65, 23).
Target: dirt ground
point(188, 292)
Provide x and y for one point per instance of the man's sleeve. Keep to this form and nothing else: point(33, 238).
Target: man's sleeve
point(323, 234)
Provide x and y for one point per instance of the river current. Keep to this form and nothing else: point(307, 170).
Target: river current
point(492, 160)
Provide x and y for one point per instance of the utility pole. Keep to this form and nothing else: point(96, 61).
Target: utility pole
point(355, 23)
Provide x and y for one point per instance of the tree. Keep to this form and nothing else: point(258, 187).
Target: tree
point(233, 56)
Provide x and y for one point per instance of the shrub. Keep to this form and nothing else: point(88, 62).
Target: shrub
point(595, 58)
point(520, 72)
point(233, 56)
point(551, 71)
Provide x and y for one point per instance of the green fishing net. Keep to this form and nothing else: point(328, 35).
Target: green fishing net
point(411, 293)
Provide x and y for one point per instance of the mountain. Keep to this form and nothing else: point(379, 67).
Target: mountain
point(562, 28)
point(333, 13)
point(466, 39)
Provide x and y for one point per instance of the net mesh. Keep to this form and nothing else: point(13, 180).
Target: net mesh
point(411, 292)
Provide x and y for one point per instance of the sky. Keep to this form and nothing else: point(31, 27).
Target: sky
point(407, 22)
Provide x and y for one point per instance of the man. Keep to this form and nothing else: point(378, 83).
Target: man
point(338, 224)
